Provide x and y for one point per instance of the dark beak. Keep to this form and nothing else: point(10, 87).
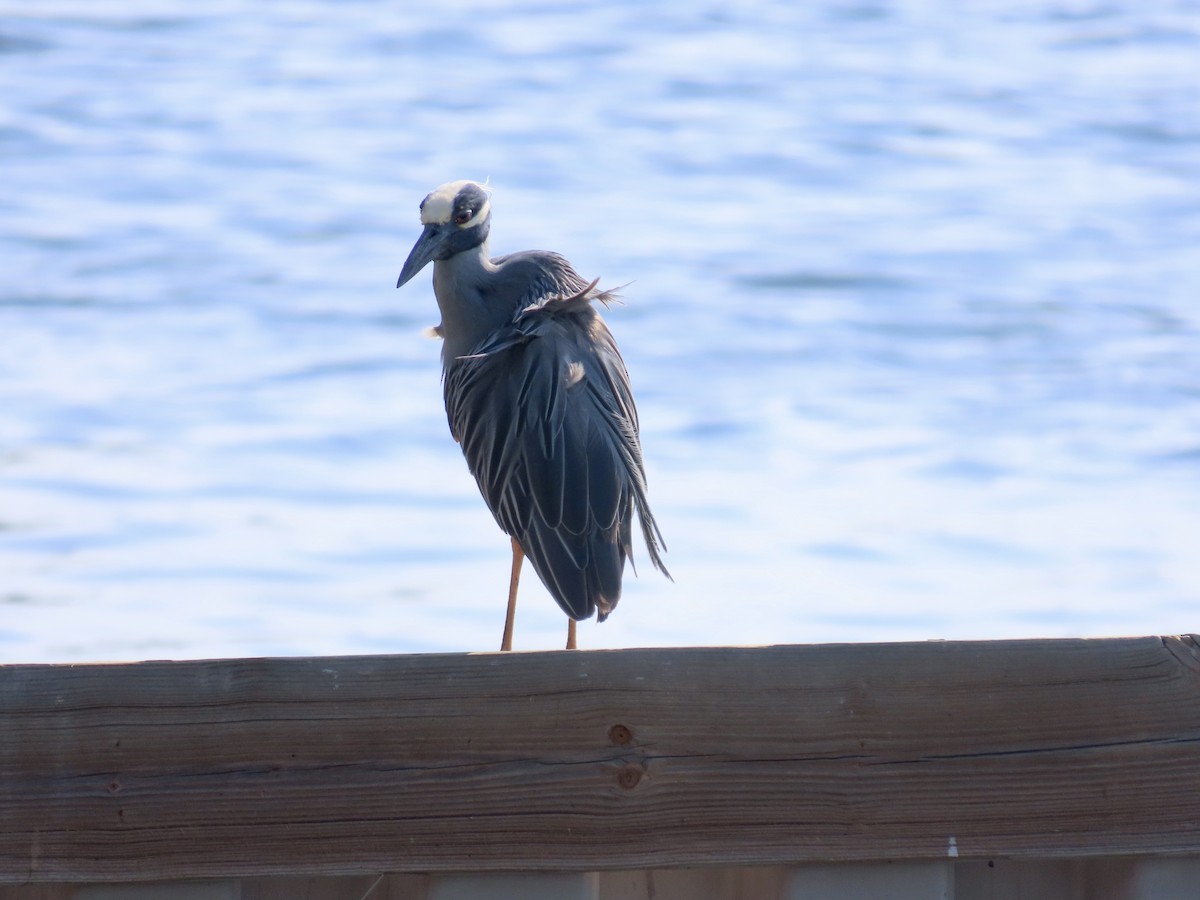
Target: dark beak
point(425, 249)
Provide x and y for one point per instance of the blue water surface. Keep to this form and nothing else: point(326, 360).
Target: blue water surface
point(912, 315)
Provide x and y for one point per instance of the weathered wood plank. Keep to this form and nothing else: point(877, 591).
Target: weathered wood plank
point(1050, 879)
point(599, 760)
point(1164, 879)
point(535, 886)
point(707, 883)
point(1079, 878)
point(856, 881)
point(178, 890)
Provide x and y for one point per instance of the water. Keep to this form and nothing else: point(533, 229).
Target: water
point(913, 316)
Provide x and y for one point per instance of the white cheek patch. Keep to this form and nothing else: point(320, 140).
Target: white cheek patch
point(480, 215)
point(439, 205)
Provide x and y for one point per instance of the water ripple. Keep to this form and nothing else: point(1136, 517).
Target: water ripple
point(911, 316)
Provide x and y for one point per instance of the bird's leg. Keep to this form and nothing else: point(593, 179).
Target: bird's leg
point(518, 558)
point(571, 634)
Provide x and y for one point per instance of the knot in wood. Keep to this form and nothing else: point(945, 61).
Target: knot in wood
point(629, 777)
point(620, 735)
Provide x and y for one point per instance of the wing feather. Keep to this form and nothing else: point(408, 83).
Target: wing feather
point(546, 420)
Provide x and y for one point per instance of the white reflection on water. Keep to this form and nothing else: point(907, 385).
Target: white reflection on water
point(913, 317)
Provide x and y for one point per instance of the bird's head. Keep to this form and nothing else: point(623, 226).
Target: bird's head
point(456, 217)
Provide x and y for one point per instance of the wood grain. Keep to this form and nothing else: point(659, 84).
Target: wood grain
point(580, 761)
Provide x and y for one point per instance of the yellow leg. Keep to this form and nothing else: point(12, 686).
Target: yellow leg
point(518, 558)
point(571, 634)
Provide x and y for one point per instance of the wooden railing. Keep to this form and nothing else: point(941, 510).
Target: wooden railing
point(779, 771)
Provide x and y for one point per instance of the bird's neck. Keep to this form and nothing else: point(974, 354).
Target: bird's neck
point(467, 317)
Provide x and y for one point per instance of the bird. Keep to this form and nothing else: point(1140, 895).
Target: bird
point(539, 400)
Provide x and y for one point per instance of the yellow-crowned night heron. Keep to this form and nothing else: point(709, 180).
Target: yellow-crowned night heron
point(539, 400)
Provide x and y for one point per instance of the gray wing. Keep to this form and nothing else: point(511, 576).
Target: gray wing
point(544, 413)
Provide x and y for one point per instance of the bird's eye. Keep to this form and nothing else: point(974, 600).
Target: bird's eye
point(463, 217)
